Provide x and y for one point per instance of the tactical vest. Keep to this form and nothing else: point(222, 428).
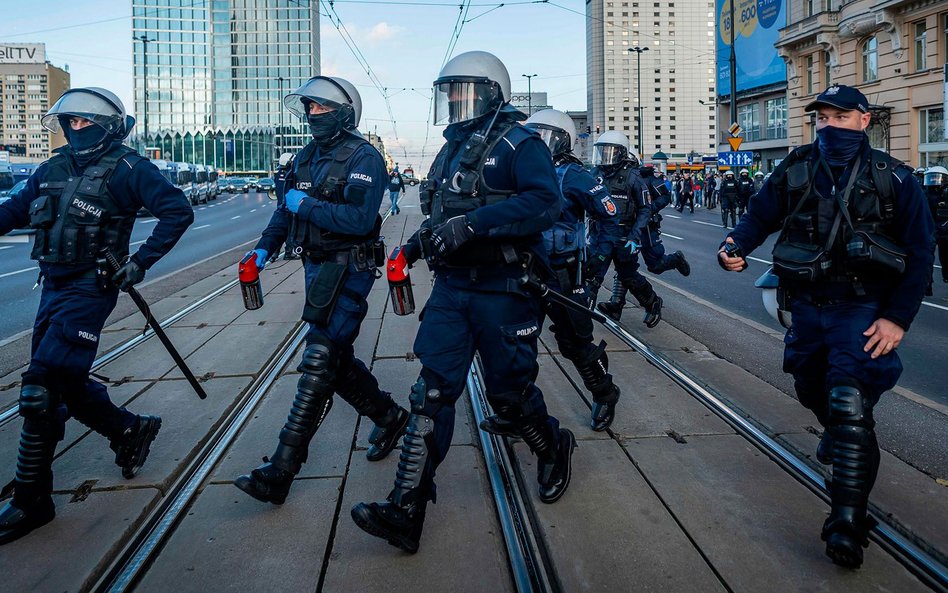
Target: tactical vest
point(75, 216)
point(941, 206)
point(564, 238)
point(730, 188)
point(618, 185)
point(465, 190)
point(330, 187)
point(871, 208)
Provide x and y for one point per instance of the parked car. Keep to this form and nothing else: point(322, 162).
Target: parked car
point(236, 185)
point(252, 184)
point(13, 191)
point(410, 180)
point(265, 185)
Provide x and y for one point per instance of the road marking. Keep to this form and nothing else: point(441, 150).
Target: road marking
point(942, 307)
point(203, 226)
point(705, 223)
point(18, 272)
point(6, 247)
point(254, 210)
point(664, 234)
point(763, 261)
point(235, 217)
point(15, 239)
point(149, 220)
point(671, 216)
point(137, 242)
point(202, 208)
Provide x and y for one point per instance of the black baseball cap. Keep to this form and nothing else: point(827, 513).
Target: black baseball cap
point(841, 97)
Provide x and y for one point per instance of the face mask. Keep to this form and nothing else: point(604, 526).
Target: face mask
point(325, 127)
point(839, 146)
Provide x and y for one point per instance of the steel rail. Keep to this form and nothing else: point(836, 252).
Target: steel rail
point(924, 565)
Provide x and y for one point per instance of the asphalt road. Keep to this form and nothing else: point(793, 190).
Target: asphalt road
point(219, 226)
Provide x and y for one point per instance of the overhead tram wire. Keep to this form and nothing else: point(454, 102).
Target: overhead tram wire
point(203, 3)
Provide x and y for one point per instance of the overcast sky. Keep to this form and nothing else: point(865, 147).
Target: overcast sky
point(404, 44)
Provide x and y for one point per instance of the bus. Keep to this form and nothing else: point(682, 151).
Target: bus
point(185, 181)
point(212, 177)
point(6, 177)
point(201, 185)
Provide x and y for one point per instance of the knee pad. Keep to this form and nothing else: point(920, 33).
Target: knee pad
point(424, 399)
point(37, 402)
point(850, 413)
point(319, 361)
point(514, 406)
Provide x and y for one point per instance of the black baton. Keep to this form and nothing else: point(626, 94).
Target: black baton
point(156, 327)
point(528, 281)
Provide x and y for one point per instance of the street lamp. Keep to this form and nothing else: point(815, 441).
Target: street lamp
point(529, 78)
point(145, 41)
point(280, 80)
point(638, 80)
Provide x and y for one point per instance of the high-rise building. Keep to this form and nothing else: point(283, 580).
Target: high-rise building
point(676, 62)
point(210, 77)
point(29, 86)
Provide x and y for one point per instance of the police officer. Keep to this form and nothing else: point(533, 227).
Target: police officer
point(936, 187)
point(490, 193)
point(285, 165)
point(851, 306)
point(618, 239)
point(758, 181)
point(396, 185)
point(331, 216)
point(565, 244)
point(729, 192)
point(81, 203)
point(745, 189)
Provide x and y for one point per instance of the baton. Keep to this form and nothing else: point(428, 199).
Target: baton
point(156, 327)
point(546, 292)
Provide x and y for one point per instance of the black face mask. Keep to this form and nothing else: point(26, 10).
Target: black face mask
point(839, 146)
point(87, 143)
point(326, 128)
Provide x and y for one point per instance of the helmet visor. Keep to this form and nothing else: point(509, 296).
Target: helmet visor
point(318, 89)
point(936, 179)
point(463, 100)
point(85, 105)
point(556, 139)
point(608, 154)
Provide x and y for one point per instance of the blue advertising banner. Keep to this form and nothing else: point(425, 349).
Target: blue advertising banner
point(758, 28)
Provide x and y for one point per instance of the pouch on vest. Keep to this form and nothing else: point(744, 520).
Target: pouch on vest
point(42, 213)
point(872, 252)
point(563, 238)
point(323, 293)
point(796, 262)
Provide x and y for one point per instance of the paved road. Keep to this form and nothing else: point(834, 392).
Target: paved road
point(218, 226)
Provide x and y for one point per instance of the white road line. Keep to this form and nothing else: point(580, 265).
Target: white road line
point(15, 239)
point(254, 210)
point(18, 272)
point(763, 261)
point(671, 216)
point(706, 223)
point(235, 217)
point(137, 242)
point(664, 234)
point(203, 226)
point(6, 247)
point(148, 220)
point(202, 208)
point(942, 307)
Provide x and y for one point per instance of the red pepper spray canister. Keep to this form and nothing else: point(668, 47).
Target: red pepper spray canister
point(399, 284)
point(249, 277)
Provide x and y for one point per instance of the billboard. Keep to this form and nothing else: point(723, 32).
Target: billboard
point(22, 53)
point(758, 28)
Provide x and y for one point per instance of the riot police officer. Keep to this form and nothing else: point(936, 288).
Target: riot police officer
point(331, 216)
point(851, 303)
point(729, 192)
point(81, 203)
point(565, 244)
point(490, 193)
point(745, 189)
point(758, 181)
point(936, 187)
point(619, 239)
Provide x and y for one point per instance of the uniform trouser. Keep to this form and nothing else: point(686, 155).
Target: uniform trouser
point(605, 249)
point(942, 243)
point(393, 196)
point(66, 334)
point(503, 328)
point(728, 208)
point(824, 352)
point(653, 251)
point(353, 381)
point(741, 205)
point(686, 200)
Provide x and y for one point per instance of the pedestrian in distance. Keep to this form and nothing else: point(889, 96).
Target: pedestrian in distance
point(335, 190)
point(490, 193)
point(854, 254)
point(396, 185)
point(81, 203)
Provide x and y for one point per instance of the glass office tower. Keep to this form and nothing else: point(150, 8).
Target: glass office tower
point(210, 76)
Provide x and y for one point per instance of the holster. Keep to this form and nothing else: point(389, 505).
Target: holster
point(323, 292)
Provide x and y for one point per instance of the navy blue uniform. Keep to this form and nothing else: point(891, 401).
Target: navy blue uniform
point(825, 347)
point(938, 202)
point(653, 250)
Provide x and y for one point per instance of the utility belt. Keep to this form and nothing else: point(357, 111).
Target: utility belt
point(366, 256)
point(100, 271)
point(832, 296)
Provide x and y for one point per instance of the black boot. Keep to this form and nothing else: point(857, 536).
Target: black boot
point(271, 481)
point(385, 437)
point(494, 424)
point(653, 312)
point(16, 522)
point(594, 371)
point(360, 389)
point(553, 476)
point(824, 451)
point(32, 506)
point(611, 310)
point(683, 267)
point(132, 448)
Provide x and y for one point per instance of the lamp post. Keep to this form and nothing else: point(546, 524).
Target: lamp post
point(732, 66)
point(638, 81)
point(280, 145)
point(145, 41)
point(529, 78)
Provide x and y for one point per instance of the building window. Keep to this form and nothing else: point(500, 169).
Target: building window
point(777, 118)
point(870, 60)
point(810, 73)
point(808, 8)
point(748, 117)
point(827, 76)
point(944, 36)
point(931, 126)
point(921, 46)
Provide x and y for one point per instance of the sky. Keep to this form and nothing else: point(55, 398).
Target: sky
point(404, 45)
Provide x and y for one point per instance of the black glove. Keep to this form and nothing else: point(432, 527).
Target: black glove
point(447, 238)
point(128, 275)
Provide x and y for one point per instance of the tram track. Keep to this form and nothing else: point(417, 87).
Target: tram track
point(926, 563)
